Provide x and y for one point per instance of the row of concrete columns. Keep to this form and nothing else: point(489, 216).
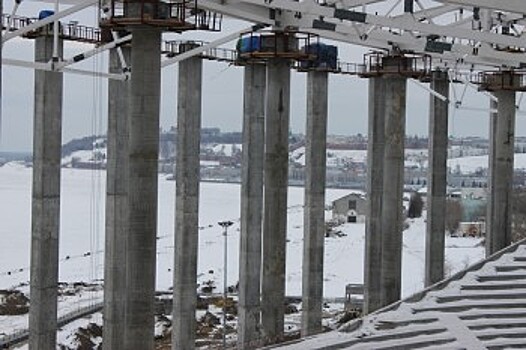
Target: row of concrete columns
point(274, 170)
point(132, 196)
point(383, 257)
point(131, 225)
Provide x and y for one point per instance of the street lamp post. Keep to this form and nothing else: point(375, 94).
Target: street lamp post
point(225, 225)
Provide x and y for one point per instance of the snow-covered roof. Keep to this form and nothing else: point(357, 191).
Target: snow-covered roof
point(482, 307)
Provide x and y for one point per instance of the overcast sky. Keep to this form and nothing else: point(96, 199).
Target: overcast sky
point(85, 103)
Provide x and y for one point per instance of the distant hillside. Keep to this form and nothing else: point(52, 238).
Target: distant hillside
point(14, 156)
point(82, 144)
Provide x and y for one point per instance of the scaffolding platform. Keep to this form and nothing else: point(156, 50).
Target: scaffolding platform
point(275, 44)
point(172, 48)
point(510, 80)
point(409, 65)
point(72, 31)
point(167, 15)
point(343, 68)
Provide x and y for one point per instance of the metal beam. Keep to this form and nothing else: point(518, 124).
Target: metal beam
point(460, 54)
point(428, 89)
point(48, 67)
point(208, 46)
point(238, 10)
point(518, 6)
point(432, 12)
point(405, 23)
point(352, 3)
point(93, 52)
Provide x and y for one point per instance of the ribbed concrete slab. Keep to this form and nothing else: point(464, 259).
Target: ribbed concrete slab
point(483, 307)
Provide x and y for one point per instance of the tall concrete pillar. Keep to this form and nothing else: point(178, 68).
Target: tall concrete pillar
point(501, 174)
point(314, 214)
point(437, 179)
point(142, 188)
point(375, 181)
point(187, 202)
point(251, 206)
point(492, 147)
point(275, 194)
point(392, 209)
point(1, 85)
point(45, 212)
point(116, 205)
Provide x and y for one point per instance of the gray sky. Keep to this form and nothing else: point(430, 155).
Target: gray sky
point(84, 110)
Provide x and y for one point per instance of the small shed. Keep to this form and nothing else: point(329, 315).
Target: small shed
point(350, 208)
point(472, 229)
point(354, 297)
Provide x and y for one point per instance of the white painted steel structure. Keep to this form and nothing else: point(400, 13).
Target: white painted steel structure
point(448, 30)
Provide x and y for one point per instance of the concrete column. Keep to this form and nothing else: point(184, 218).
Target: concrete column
point(375, 182)
point(1, 85)
point(275, 207)
point(314, 214)
point(392, 209)
point(501, 179)
point(437, 179)
point(142, 188)
point(251, 206)
point(116, 205)
point(493, 105)
point(187, 202)
point(45, 213)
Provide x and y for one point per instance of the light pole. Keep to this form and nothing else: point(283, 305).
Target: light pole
point(225, 225)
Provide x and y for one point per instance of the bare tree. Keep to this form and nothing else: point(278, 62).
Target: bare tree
point(416, 205)
point(519, 214)
point(454, 213)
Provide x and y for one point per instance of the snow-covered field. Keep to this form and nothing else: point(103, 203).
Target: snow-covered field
point(472, 164)
point(82, 223)
point(339, 158)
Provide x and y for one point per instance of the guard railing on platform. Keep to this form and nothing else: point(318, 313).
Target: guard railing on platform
point(71, 31)
point(174, 48)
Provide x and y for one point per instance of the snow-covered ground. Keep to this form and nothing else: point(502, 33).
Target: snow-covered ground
point(225, 149)
point(472, 164)
point(339, 158)
point(82, 223)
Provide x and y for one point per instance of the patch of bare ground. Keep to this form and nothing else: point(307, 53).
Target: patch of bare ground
point(13, 302)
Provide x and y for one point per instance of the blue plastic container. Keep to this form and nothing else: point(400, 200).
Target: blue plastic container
point(249, 44)
point(326, 56)
point(45, 13)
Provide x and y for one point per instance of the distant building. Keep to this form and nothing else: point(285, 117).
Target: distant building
point(480, 193)
point(474, 201)
point(350, 208)
point(354, 297)
point(472, 229)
